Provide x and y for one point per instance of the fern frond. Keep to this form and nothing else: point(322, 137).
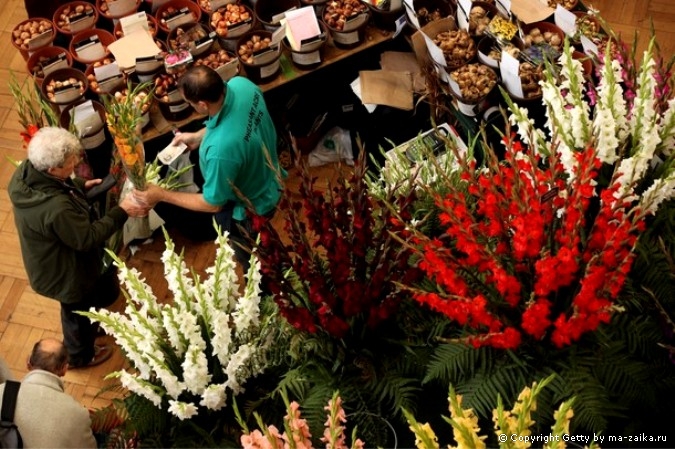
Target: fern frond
point(452, 362)
point(480, 392)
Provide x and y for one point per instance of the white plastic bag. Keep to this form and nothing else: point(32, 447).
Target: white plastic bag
point(336, 145)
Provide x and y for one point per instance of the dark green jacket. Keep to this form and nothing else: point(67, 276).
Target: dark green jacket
point(61, 238)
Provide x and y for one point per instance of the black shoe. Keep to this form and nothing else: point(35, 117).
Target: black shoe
point(101, 354)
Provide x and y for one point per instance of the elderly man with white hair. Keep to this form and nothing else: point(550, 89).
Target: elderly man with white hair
point(62, 238)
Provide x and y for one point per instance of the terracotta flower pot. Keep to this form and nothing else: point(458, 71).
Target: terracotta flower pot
point(105, 37)
point(44, 54)
point(33, 34)
point(64, 15)
point(169, 17)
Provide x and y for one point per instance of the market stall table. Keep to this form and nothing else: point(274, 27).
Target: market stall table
point(289, 73)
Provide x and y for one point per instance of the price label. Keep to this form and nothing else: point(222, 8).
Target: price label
point(134, 22)
point(82, 21)
point(510, 72)
point(228, 70)
point(265, 55)
point(109, 84)
point(67, 94)
point(120, 7)
point(312, 57)
point(149, 63)
point(242, 26)
point(203, 43)
point(355, 22)
point(59, 61)
point(40, 40)
point(566, 20)
point(181, 17)
point(90, 49)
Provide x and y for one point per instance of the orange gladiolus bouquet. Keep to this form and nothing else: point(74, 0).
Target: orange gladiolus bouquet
point(123, 116)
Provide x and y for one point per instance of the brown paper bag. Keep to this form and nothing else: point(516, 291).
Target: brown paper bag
point(400, 61)
point(387, 88)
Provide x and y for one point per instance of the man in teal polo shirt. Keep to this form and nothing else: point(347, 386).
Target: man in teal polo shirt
point(236, 148)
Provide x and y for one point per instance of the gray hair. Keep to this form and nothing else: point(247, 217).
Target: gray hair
point(51, 146)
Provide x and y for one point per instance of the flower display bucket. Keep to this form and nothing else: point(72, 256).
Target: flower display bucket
point(84, 13)
point(105, 38)
point(267, 67)
point(60, 102)
point(186, 12)
point(51, 58)
point(26, 45)
point(310, 55)
point(353, 33)
point(230, 40)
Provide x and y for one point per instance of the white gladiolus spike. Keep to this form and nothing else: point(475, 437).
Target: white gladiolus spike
point(171, 347)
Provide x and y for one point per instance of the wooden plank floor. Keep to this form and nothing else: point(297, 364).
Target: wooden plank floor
point(25, 317)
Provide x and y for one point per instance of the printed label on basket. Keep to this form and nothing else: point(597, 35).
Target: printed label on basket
point(313, 57)
point(93, 141)
point(121, 7)
point(269, 70)
point(355, 22)
point(307, 44)
point(40, 40)
point(454, 87)
point(134, 22)
point(112, 83)
point(59, 61)
point(463, 14)
point(171, 153)
point(467, 109)
point(82, 21)
point(266, 55)
point(149, 63)
point(346, 38)
point(107, 71)
point(510, 73)
point(228, 70)
point(204, 43)
point(90, 49)
point(179, 107)
point(239, 28)
point(66, 94)
point(590, 47)
point(400, 25)
point(487, 60)
point(183, 16)
point(174, 95)
point(566, 20)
